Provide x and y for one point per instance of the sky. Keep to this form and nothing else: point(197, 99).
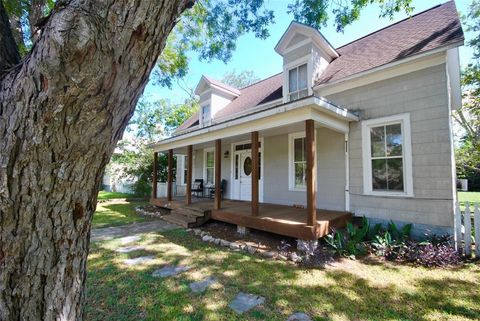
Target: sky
point(259, 55)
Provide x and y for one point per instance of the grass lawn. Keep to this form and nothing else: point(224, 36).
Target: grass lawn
point(103, 195)
point(116, 213)
point(350, 290)
point(468, 197)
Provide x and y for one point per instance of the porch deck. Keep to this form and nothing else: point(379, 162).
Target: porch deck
point(278, 219)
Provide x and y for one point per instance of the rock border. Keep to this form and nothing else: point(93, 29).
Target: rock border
point(140, 211)
point(239, 246)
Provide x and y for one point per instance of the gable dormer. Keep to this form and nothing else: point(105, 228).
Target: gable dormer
point(214, 96)
point(306, 54)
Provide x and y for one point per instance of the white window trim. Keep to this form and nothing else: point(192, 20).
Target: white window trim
point(291, 166)
point(182, 172)
point(307, 59)
point(204, 103)
point(298, 90)
point(183, 165)
point(210, 149)
point(404, 120)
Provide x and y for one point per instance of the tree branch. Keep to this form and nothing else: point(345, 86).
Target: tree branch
point(34, 18)
point(9, 54)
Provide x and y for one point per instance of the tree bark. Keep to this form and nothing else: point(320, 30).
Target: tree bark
point(9, 55)
point(62, 111)
point(35, 15)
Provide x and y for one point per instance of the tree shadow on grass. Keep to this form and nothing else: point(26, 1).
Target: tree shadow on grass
point(116, 292)
point(116, 214)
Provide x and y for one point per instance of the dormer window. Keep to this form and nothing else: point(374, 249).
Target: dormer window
point(206, 115)
point(297, 82)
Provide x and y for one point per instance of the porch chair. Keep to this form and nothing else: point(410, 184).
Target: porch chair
point(223, 187)
point(197, 187)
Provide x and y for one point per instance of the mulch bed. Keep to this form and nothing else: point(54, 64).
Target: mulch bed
point(262, 240)
point(267, 242)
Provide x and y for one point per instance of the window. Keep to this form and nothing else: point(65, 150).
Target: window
point(185, 169)
point(297, 162)
point(387, 156)
point(206, 115)
point(297, 82)
point(210, 167)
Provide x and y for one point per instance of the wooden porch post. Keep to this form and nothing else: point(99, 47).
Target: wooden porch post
point(170, 175)
point(154, 180)
point(255, 173)
point(311, 172)
point(189, 174)
point(218, 171)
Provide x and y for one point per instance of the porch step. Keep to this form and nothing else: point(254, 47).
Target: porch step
point(186, 217)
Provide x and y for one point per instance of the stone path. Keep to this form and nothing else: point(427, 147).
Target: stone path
point(201, 286)
point(128, 249)
point(139, 260)
point(170, 270)
point(244, 302)
point(108, 233)
point(299, 316)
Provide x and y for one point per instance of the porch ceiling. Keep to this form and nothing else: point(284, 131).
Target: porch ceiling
point(276, 120)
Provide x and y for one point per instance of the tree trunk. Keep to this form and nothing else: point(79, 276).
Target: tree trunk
point(62, 111)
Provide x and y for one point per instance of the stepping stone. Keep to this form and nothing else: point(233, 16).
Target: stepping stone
point(129, 249)
point(201, 286)
point(170, 270)
point(139, 260)
point(299, 316)
point(129, 239)
point(244, 302)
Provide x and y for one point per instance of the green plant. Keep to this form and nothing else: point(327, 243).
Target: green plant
point(399, 234)
point(391, 242)
point(351, 241)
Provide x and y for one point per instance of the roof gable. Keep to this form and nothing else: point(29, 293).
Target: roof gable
point(206, 83)
point(298, 32)
point(433, 29)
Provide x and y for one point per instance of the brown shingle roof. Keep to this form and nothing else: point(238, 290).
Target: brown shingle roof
point(434, 28)
point(253, 95)
point(431, 29)
point(258, 93)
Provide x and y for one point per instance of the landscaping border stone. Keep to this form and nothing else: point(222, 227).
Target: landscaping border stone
point(239, 246)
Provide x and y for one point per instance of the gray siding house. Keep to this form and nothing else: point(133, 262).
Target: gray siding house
point(362, 129)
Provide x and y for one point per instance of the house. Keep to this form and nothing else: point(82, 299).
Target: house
point(363, 129)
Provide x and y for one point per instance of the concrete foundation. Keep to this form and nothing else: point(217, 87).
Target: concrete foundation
point(242, 230)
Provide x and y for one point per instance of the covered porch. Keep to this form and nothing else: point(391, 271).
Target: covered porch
point(303, 219)
point(274, 218)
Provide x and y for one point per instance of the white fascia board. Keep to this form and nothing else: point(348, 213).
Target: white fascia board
point(390, 70)
point(309, 108)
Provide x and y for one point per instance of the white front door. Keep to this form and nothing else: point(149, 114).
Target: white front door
point(243, 166)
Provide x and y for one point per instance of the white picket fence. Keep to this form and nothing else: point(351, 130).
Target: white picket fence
point(464, 222)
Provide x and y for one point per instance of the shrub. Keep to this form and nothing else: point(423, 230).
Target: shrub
point(391, 242)
point(351, 241)
point(394, 244)
point(436, 252)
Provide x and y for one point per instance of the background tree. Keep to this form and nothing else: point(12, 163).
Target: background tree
point(64, 106)
point(152, 121)
point(468, 116)
point(241, 79)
